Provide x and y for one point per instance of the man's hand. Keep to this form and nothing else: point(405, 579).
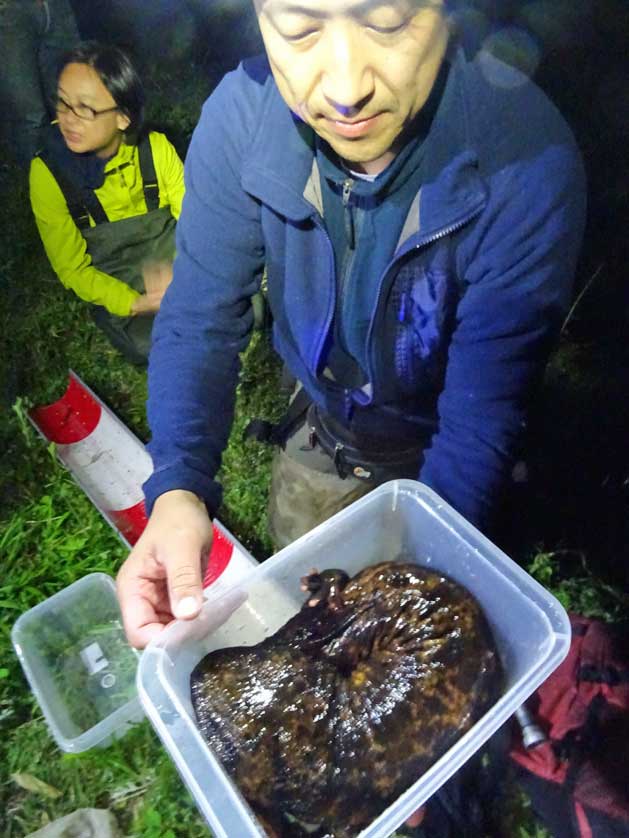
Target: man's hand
point(157, 278)
point(161, 578)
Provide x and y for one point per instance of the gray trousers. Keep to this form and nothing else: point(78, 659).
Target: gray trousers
point(34, 35)
point(306, 489)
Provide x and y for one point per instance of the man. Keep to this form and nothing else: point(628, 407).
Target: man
point(419, 217)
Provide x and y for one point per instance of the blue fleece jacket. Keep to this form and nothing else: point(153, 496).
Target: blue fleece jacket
point(461, 320)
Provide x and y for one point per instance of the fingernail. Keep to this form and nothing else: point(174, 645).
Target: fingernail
point(186, 607)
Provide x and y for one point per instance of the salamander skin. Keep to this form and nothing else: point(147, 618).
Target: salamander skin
point(335, 715)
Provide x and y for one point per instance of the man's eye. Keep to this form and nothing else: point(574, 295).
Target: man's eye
point(387, 30)
point(298, 36)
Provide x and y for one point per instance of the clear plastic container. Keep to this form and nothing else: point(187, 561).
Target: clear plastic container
point(79, 665)
point(530, 627)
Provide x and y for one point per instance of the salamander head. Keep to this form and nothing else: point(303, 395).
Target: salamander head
point(325, 587)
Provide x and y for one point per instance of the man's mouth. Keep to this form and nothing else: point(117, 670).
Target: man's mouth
point(352, 129)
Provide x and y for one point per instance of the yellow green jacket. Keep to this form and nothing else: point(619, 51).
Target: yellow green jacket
point(121, 196)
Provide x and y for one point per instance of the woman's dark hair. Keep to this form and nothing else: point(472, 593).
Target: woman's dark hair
point(117, 73)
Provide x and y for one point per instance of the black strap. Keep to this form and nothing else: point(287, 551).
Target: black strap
point(149, 176)
point(362, 458)
point(82, 203)
point(374, 466)
point(603, 675)
point(578, 745)
point(277, 433)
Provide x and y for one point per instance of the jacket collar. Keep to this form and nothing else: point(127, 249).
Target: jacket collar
point(453, 189)
point(281, 167)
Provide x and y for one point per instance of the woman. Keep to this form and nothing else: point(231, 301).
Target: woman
point(106, 197)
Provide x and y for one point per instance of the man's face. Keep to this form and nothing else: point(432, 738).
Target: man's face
point(357, 71)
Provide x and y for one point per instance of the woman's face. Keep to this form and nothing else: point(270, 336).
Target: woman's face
point(81, 89)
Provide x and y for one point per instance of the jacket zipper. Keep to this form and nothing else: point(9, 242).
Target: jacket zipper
point(348, 261)
point(338, 292)
point(440, 234)
point(348, 216)
point(351, 233)
point(332, 270)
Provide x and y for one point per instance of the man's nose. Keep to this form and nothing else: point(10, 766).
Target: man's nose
point(347, 80)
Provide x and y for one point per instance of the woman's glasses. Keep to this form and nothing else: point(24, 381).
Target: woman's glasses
point(82, 111)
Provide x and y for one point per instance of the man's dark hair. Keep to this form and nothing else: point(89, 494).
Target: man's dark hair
point(117, 73)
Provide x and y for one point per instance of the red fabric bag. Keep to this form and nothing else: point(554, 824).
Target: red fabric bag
point(578, 779)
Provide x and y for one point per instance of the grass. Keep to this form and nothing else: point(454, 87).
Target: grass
point(51, 535)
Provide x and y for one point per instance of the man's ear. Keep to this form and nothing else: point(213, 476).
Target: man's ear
point(122, 121)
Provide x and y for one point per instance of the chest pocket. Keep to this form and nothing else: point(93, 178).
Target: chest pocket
point(423, 304)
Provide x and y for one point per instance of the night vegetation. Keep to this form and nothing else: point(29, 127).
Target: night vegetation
point(568, 525)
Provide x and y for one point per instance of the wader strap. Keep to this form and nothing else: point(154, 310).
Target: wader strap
point(82, 203)
point(149, 176)
point(375, 465)
point(370, 466)
point(278, 433)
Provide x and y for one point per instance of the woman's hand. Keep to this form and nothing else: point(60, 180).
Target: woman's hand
point(416, 818)
point(157, 278)
point(161, 579)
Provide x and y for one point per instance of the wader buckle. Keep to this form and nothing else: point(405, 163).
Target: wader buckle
point(344, 469)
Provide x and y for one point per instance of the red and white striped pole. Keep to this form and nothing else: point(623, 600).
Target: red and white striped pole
point(110, 464)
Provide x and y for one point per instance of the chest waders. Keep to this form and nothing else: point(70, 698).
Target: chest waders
point(121, 248)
